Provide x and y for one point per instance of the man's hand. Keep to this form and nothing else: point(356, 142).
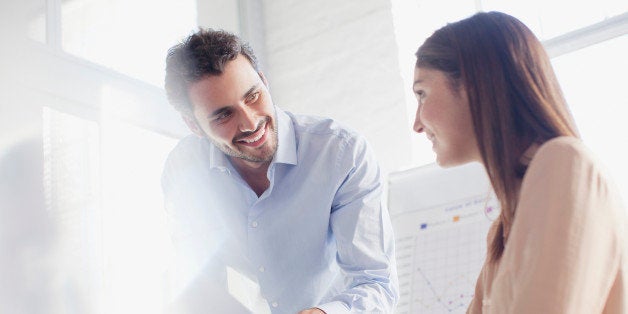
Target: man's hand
point(313, 310)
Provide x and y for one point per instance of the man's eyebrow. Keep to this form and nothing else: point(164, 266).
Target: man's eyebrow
point(417, 82)
point(218, 111)
point(250, 91)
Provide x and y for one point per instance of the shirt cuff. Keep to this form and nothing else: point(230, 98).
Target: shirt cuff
point(335, 307)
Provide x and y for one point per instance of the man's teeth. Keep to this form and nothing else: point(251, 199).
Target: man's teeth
point(257, 137)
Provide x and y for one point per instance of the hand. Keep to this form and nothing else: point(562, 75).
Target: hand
point(313, 310)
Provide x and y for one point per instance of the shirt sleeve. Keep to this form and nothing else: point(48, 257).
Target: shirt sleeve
point(195, 275)
point(564, 249)
point(364, 236)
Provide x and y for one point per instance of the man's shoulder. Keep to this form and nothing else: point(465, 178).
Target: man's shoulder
point(188, 143)
point(189, 148)
point(312, 125)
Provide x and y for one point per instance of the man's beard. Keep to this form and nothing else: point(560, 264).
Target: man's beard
point(271, 137)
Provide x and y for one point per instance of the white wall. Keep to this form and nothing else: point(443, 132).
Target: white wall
point(219, 14)
point(339, 59)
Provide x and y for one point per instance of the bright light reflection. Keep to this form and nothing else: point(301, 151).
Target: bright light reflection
point(136, 243)
point(246, 291)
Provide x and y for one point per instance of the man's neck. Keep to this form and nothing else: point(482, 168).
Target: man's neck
point(253, 173)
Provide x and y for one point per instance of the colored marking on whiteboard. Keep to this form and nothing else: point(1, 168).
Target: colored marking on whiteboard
point(423, 226)
point(456, 218)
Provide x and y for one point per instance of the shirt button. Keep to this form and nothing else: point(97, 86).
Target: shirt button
point(275, 304)
point(254, 224)
point(261, 269)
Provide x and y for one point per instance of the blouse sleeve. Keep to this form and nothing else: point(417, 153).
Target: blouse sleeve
point(564, 248)
point(478, 301)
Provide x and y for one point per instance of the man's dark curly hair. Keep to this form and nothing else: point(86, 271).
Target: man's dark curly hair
point(201, 54)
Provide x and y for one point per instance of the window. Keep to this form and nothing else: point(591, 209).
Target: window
point(102, 188)
point(587, 51)
point(120, 35)
point(588, 48)
point(548, 19)
point(88, 79)
point(593, 82)
point(26, 17)
point(72, 189)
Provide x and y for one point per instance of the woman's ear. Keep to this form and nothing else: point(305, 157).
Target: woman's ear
point(193, 125)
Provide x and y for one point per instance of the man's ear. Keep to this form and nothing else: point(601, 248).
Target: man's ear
point(261, 75)
point(193, 125)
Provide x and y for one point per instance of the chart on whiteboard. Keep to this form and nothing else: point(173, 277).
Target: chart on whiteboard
point(441, 246)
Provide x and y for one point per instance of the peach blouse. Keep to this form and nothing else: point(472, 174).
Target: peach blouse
point(566, 250)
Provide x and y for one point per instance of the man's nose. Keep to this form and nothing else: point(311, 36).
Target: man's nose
point(248, 121)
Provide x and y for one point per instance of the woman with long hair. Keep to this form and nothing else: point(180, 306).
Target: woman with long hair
point(486, 92)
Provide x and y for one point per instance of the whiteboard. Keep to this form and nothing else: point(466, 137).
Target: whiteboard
point(440, 218)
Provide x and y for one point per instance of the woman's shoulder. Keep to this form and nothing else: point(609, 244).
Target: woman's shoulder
point(564, 145)
point(566, 165)
point(564, 152)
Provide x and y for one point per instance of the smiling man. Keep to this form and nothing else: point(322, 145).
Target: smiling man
point(262, 201)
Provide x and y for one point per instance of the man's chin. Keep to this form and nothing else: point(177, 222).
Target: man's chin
point(265, 153)
point(265, 157)
point(260, 157)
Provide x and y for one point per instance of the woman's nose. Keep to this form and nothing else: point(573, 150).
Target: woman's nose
point(418, 126)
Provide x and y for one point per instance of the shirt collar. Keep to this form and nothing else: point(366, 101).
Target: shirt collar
point(217, 159)
point(286, 147)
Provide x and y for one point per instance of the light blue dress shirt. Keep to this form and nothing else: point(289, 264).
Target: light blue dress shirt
point(317, 237)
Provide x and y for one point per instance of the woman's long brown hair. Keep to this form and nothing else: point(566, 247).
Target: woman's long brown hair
point(514, 97)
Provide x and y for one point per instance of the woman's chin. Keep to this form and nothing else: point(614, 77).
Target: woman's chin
point(449, 163)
